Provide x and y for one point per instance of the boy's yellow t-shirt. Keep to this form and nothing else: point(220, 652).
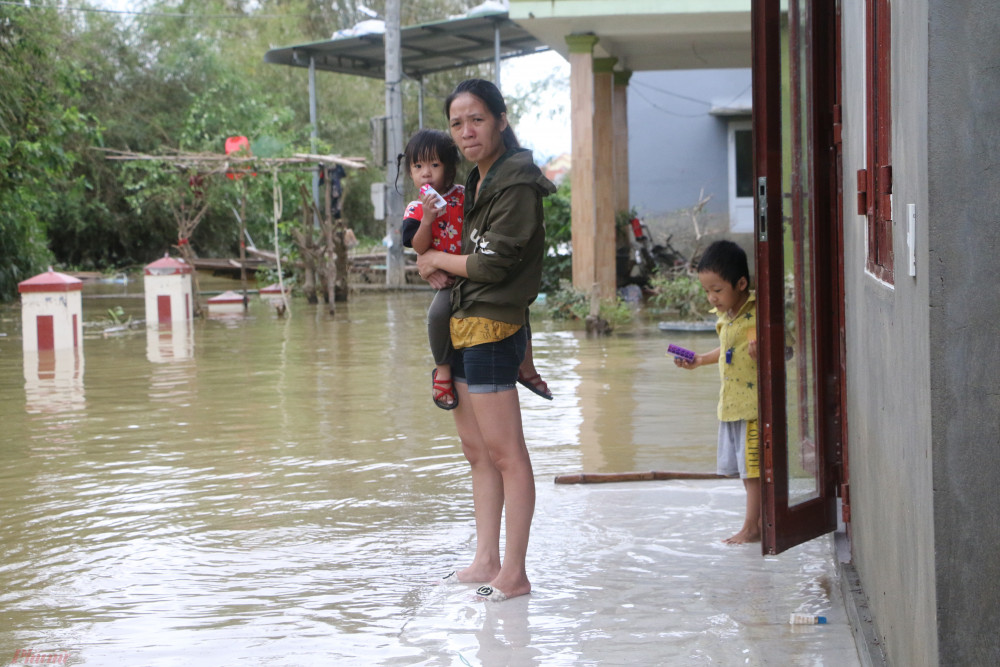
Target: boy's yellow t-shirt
point(738, 394)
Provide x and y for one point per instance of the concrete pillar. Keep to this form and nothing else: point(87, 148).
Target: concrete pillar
point(622, 200)
point(226, 304)
point(581, 89)
point(273, 294)
point(169, 292)
point(593, 174)
point(51, 312)
point(604, 177)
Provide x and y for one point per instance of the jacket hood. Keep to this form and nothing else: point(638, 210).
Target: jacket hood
point(519, 169)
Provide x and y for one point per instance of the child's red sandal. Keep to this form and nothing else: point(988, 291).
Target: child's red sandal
point(443, 389)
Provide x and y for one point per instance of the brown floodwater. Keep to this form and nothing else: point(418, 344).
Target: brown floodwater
point(256, 490)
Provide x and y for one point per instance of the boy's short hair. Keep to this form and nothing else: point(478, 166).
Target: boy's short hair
point(726, 259)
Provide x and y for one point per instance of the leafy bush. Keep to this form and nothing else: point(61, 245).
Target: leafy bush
point(679, 293)
point(558, 264)
point(567, 303)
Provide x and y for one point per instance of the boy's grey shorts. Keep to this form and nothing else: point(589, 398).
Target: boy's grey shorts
point(731, 459)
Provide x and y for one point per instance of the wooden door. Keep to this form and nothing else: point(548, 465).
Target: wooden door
point(799, 268)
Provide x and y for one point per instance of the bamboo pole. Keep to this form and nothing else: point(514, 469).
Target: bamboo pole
point(606, 477)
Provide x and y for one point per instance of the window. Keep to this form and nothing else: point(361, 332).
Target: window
point(740, 177)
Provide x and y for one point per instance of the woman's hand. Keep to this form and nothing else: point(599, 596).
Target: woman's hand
point(426, 263)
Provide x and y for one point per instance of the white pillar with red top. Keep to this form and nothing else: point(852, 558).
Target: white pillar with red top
point(51, 312)
point(169, 292)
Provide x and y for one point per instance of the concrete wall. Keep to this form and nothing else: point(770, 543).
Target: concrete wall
point(923, 373)
point(964, 252)
point(888, 348)
point(676, 148)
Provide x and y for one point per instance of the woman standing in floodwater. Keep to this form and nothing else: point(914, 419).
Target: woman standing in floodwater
point(497, 278)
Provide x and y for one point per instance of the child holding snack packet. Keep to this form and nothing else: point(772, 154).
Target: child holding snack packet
point(435, 221)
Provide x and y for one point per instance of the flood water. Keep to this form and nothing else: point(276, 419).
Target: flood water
point(258, 490)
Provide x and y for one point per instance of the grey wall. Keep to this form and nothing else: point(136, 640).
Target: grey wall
point(923, 372)
point(889, 413)
point(964, 251)
point(676, 149)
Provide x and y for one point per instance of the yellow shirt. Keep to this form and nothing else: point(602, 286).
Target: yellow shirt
point(738, 395)
point(470, 331)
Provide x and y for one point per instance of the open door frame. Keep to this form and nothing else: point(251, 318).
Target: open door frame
point(786, 525)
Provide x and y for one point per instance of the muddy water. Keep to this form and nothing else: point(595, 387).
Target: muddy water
point(256, 490)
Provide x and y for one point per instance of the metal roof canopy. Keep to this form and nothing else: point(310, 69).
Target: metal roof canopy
point(426, 48)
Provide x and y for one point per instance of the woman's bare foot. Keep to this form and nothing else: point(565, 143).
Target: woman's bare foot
point(475, 574)
point(496, 591)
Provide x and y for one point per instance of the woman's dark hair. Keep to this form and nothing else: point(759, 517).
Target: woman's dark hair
point(492, 98)
point(426, 145)
point(726, 259)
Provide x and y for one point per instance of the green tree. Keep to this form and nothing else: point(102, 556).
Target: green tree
point(39, 122)
point(184, 75)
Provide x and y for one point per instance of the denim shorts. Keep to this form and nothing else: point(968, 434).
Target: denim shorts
point(491, 367)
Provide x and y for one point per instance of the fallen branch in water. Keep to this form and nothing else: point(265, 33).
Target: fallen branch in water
point(605, 477)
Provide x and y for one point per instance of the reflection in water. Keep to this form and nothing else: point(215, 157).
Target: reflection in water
point(282, 491)
point(170, 342)
point(53, 380)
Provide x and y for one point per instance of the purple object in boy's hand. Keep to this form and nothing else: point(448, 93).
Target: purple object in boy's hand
point(680, 352)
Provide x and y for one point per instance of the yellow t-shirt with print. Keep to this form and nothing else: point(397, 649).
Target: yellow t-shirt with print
point(469, 331)
point(738, 372)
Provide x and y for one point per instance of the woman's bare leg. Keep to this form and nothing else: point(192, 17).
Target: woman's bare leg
point(487, 493)
point(498, 416)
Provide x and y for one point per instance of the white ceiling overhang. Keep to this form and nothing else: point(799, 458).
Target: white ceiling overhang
point(645, 34)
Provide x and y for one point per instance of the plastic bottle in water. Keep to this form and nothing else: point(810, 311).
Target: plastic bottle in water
point(806, 619)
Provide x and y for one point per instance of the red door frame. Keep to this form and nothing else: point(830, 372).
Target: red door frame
point(784, 525)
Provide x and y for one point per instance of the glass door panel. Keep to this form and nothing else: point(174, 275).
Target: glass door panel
point(799, 303)
point(799, 294)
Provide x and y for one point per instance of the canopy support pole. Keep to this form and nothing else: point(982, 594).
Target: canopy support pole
point(313, 136)
point(496, 53)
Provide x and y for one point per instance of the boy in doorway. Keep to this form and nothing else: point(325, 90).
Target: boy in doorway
point(725, 276)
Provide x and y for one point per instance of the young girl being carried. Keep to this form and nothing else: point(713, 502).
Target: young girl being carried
point(434, 221)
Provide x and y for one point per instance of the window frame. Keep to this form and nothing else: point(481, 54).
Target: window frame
point(737, 204)
point(875, 201)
